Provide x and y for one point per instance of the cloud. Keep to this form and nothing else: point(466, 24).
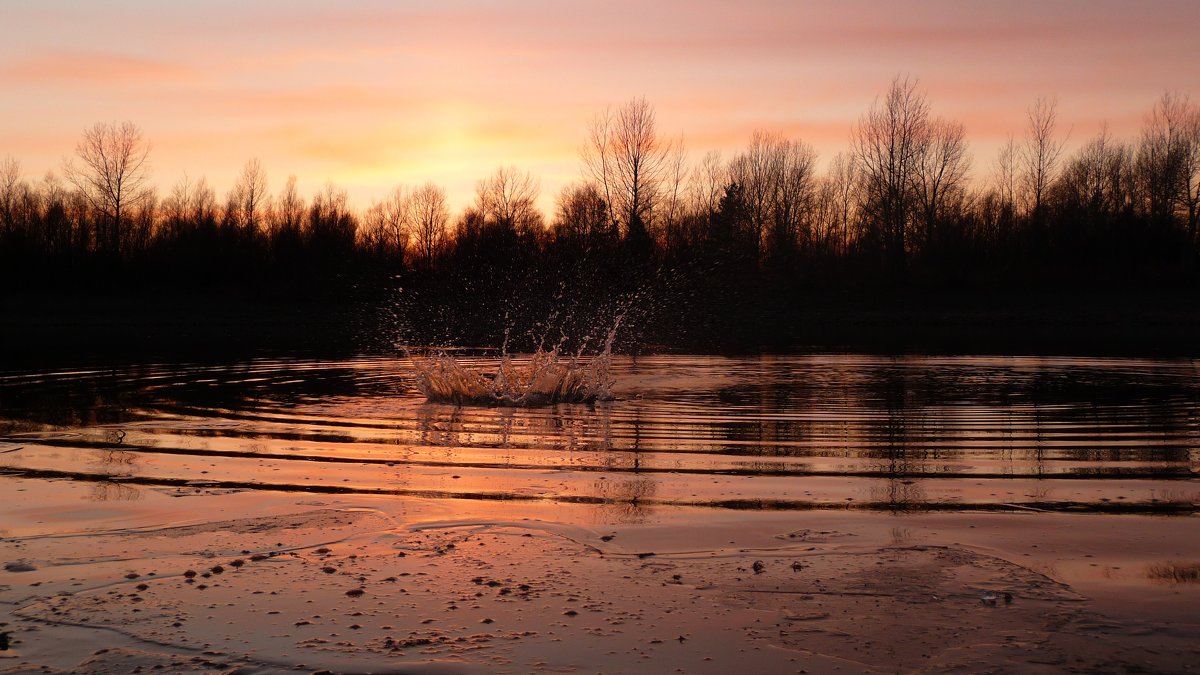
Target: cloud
point(92, 67)
point(432, 87)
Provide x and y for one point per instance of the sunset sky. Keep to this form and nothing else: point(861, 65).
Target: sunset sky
point(375, 94)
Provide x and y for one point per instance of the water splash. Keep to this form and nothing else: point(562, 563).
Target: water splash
point(545, 377)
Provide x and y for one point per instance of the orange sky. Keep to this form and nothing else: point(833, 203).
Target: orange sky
point(375, 94)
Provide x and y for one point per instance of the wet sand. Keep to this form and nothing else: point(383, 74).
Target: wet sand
point(183, 579)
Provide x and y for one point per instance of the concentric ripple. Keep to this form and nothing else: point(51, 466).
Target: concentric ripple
point(812, 431)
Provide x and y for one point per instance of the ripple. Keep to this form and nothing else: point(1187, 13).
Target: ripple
point(807, 431)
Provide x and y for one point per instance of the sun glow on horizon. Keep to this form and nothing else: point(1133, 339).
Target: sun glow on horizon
point(379, 95)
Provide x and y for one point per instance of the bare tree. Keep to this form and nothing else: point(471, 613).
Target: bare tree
point(1098, 180)
point(430, 217)
point(1168, 162)
point(776, 179)
point(627, 159)
point(330, 223)
point(1040, 154)
point(674, 189)
point(1005, 177)
point(1189, 174)
point(143, 221)
point(190, 205)
point(10, 183)
point(111, 173)
point(707, 183)
point(941, 173)
point(508, 198)
point(583, 215)
point(389, 223)
point(177, 207)
point(757, 172)
point(58, 234)
point(249, 197)
point(794, 196)
point(889, 143)
point(204, 204)
point(289, 211)
point(842, 181)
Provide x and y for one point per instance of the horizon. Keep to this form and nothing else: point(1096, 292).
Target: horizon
point(376, 96)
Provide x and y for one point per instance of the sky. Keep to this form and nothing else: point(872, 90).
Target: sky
point(372, 95)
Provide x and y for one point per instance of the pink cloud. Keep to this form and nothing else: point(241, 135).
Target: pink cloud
point(91, 67)
point(464, 86)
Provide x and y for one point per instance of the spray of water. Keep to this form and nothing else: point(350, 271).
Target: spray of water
point(545, 377)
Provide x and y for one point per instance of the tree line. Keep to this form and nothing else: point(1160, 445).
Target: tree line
point(904, 205)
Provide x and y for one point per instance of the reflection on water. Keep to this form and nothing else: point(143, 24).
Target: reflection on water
point(112, 491)
point(1175, 572)
point(624, 500)
point(813, 431)
point(109, 466)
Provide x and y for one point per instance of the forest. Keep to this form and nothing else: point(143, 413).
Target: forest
point(710, 250)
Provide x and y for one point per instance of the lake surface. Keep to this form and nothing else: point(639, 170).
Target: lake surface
point(824, 431)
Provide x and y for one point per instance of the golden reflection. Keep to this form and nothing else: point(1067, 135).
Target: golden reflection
point(569, 427)
point(439, 425)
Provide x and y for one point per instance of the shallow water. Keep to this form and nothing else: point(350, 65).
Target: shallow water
point(787, 432)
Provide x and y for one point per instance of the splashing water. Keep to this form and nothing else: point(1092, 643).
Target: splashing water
point(542, 378)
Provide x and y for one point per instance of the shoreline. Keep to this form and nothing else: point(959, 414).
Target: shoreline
point(356, 583)
point(61, 328)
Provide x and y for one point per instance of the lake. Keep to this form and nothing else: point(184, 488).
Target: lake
point(791, 432)
point(776, 513)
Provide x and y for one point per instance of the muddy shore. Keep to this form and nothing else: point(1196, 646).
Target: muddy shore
point(201, 580)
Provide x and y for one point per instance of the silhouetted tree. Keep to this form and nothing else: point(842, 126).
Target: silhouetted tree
point(776, 179)
point(582, 218)
point(143, 217)
point(288, 213)
point(1006, 183)
point(707, 184)
point(1099, 178)
point(332, 229)
point(10, 183)
point(508, 200)
point(176, 208)
point(731, 231)
point(112, 174)
point(58, 235)
point(1168, 163)
point(673, 200)
point(628, 160)
point(1040, 155)
point(889, 145)
point(839, 191)
point(733, 244)
point(941, 174)
point(430, 217)
point(388, 225)
point(248, 199)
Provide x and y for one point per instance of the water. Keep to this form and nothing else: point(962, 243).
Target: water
point(546, 377)
point(786, 432)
